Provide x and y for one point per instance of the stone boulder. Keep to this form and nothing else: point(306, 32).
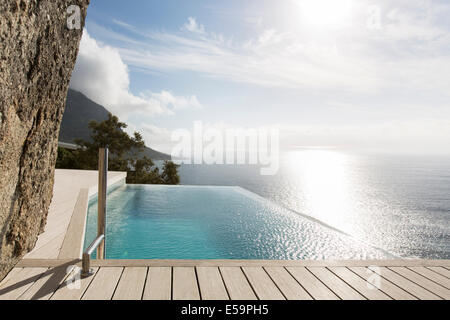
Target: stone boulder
point(39, 42)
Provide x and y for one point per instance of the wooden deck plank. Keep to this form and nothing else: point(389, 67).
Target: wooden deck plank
point(20, 283)
point(236, 283)
point(205, 280)
point(74, 286)
point(442, 271)
point(420, 280)
point(433, 276)
point(185, 284)
point(362, 286)
point(103, 285)
point(159, 284)
point(339, 287)
point(211, 284)
point(404, 283)
point(311, 284)
point(290, 288)
point(46, 285)
point(263, 286)
point(381, 283)
point(131, 284)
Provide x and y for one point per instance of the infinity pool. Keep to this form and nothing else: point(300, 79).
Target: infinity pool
point(195, 222)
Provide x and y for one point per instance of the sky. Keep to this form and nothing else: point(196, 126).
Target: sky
point(350, 74)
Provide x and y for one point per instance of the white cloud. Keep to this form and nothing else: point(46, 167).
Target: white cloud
point(256, 21)
point(167, 99)
point(353, 60)
point(123, 24)
point(155, 137)
point(101, 74)
point(193, 26)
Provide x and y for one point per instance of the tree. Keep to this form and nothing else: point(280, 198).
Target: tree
point(123, 148)
point(125, 154)
point(170, 173)
point(144, 173)
point(66, 159)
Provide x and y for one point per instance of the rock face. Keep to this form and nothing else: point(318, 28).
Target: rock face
point(38, 49)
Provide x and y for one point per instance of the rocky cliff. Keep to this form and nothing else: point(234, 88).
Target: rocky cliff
point(38, 47)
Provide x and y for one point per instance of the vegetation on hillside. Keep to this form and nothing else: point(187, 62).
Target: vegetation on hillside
point(125, 154)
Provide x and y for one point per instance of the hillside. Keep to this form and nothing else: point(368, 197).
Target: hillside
point(79, 111)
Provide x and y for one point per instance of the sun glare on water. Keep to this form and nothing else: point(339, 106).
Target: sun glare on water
point(326, 185)
point(325, 13)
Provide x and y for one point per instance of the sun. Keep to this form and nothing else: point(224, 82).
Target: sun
point(325, 13)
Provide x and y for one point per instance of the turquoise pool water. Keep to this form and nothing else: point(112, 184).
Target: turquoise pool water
point(197, 222)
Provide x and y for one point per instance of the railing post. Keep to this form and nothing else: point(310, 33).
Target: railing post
point(102, 187)
point(86, 265)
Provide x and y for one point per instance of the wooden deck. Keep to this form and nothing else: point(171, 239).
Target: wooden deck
point(230, 280)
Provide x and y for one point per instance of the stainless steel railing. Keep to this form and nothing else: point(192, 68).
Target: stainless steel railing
point(86, 263)
point(99, 242)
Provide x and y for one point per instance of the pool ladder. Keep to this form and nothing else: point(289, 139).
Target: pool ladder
point(99, 242)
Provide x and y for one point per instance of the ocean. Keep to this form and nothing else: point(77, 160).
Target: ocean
point(399, 203)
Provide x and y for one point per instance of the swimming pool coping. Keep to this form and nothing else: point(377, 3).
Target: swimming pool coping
point(38, 263)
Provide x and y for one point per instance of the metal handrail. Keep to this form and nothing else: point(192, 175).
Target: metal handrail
point(86, 263)
point(98, 243)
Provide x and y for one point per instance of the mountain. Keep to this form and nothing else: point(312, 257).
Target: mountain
point(80, 110)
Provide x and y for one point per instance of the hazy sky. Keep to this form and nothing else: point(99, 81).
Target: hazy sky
point(351, 74)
